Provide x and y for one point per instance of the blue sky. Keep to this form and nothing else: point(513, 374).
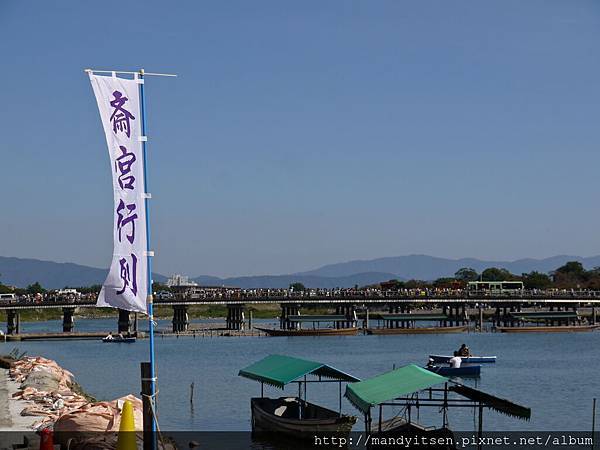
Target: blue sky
point(304, 133)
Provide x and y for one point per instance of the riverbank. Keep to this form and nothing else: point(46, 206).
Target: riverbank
point(202, 312)
point(268, 311)
point(36, 393)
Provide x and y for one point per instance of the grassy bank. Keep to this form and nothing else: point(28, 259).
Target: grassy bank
point(161, 312)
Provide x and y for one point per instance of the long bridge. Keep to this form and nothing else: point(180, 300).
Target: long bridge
point(453, 304)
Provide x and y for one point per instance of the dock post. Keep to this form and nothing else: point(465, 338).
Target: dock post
point(68, 320)
point(250, 319)
point(593, 315)
point(147, 405)
point(367, 318)
point(13, 322)
point(480, 318)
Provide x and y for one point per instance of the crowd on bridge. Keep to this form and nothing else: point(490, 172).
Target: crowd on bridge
point(224, 293)
point(53, 297)
point(236, 294)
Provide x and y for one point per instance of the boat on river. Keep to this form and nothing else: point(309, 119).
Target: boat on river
point(310, 331)
point(409, 389)
point(548, 329)
point(469, 370)
point(407, 323)
point(294, 416)
point(445, 359)
point(119, 340)
point(417, 330)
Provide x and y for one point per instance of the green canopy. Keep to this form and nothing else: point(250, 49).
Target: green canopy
point(496, 403)
point(390, 385)
point(279, 370)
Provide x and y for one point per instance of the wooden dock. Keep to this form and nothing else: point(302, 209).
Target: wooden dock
point(211, 332)
point(55, 336)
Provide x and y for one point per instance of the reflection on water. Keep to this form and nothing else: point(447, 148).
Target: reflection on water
point(554, 374)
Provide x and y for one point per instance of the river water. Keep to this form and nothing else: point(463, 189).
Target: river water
point(555, 374)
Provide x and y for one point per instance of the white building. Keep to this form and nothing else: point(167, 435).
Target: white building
point(180, 280)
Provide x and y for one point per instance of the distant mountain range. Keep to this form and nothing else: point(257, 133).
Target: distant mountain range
point(22, 272)
point(423, 267)
point(51, 275)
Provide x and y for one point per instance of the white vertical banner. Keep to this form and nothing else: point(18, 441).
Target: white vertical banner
point(119, 104)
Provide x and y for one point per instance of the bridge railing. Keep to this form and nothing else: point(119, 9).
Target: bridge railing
point(352, 295)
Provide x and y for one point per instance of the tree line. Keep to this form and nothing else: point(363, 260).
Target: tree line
point(571, 275)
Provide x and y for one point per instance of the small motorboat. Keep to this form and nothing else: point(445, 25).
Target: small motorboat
point(119, 340)
point(444, 359)
point(469, 370)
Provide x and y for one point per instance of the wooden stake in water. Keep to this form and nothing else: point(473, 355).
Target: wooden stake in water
point(192, 394)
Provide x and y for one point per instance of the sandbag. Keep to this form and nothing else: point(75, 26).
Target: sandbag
point(99, 417)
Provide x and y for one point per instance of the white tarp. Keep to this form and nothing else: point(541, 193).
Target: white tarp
point(119, 104)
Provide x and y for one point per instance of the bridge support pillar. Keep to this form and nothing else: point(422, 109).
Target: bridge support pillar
point(13, 321)
point(68, 320)
point(349, 311)
point(181, 320)
point(394, 309)
point(288, 310)
point(124, 325)
point(235, 317)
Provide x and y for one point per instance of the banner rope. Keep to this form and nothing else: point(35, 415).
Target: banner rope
point(151, 397)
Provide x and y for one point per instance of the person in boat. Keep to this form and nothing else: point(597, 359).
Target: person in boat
point(109, 337)
point(455, 361)
point(464, 351)
point(430, 363)
point(121, 336)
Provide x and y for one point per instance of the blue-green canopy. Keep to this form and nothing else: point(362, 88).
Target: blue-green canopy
point(390, 385)
point(279, 370)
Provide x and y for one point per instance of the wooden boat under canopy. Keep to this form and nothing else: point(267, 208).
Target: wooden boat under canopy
point(548, 329)
point(411, 388)
point(545, 322)
point(298, 321)
point(392, 324)
point(295, 416)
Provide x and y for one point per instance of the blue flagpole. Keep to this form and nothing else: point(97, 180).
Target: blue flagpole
point(149, 259)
